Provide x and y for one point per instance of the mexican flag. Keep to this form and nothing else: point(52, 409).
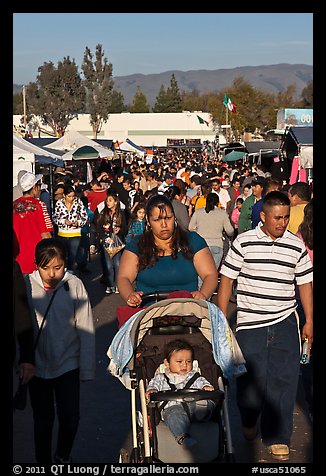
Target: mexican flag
point(229, 104)
point(202, 121)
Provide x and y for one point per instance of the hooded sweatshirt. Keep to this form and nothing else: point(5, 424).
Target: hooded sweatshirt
point(67, 340)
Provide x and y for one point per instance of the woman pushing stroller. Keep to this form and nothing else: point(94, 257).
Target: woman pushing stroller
point(165, 258)
point(179, 374)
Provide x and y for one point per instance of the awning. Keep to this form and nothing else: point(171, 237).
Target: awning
point(301, 135)
point(41, 155)
point(233, 156)
point(259, 147)
point(87, 152)
point(129, 146)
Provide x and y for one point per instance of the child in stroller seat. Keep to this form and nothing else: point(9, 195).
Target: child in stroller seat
point(179, 374)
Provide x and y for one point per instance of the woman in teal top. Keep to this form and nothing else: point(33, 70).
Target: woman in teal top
point(165, 258)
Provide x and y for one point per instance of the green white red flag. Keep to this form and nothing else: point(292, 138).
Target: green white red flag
point(229, 104)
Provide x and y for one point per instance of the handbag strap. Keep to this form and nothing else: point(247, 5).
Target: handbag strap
point(43, 320)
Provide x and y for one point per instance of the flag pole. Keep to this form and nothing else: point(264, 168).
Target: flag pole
point(24, 107)
point(226, 121)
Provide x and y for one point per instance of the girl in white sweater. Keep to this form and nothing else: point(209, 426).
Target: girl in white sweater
point(65, 351)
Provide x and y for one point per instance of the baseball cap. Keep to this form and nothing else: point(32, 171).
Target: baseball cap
point(225, 183)
point(28, 180)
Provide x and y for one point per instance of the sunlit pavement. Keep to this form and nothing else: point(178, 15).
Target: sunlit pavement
point(105, 422)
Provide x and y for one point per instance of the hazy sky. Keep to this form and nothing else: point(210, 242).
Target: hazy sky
point(157, 42)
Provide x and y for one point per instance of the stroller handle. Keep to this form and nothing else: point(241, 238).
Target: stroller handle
point(187, 395)
point(157, 296)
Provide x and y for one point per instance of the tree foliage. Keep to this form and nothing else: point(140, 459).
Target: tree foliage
point(307, 95)
point(18, 103)
point(173, 96)
point(99, 84)
point(57, 96)
point(169, 100)
point(117, 102)
point(160, 103)
point(139, 103)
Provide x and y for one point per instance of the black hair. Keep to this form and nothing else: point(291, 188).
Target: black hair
point(175, 346)
point(302, 189)
point(171, 192)
point(306, 226)
point(68, 188)
point(50, 248)
point(148, 251)
point(274, 198)
point(212, 200)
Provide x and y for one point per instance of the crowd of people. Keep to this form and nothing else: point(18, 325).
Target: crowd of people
point(182, 222)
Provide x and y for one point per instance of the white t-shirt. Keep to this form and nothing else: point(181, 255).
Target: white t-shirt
point(224, 197)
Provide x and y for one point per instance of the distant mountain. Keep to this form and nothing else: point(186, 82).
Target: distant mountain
point(270, 78)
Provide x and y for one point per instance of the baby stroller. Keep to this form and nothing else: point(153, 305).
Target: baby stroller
point(136, 353)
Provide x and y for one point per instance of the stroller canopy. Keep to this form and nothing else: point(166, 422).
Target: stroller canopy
point(214, 327)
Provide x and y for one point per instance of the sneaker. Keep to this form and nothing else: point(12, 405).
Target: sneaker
point(250, 433)
point(108, 290)
point(279, 451)
point(186, 441)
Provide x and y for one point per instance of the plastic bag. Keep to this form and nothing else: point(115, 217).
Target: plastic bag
point(113, 244)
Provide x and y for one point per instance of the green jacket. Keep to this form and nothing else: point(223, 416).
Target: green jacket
point(244, 223)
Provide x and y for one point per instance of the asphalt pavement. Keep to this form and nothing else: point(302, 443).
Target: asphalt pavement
point(105, 423)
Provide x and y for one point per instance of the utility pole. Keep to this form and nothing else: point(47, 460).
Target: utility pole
point(24, 104)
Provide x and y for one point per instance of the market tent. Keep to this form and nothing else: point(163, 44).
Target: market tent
point(22, 160)
point(41, 155)
point(233, 156)
point(298, 140)
point(129, 146)
point(87, 152)
point(73, 140)
point(301, 135)
point(262, 147)
point(237, 146)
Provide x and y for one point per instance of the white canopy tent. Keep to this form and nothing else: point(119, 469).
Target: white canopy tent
point(26, 154)
point(129, 146)
point(40, 153)
point(22, 160)
point(72, 141)
point(87, 152)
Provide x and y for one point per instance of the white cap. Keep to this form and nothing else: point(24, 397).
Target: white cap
point(28, 180)
point(225, 183)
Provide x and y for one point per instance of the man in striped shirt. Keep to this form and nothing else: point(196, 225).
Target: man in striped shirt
point(267, 262)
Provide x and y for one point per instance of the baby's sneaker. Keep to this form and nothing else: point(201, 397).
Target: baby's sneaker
point(188, 442)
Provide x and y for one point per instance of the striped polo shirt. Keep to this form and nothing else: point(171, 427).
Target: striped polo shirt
point(266, 271)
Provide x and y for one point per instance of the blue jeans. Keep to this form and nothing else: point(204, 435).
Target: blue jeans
point(217, 253)
point(269, 387)
point(110, 266)
point(178, 421)
point(83, 251)
point(72, 245)
point(306, 369)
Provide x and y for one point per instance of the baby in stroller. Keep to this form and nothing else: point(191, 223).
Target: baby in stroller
point(179, 374)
